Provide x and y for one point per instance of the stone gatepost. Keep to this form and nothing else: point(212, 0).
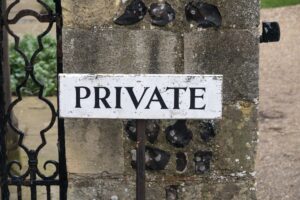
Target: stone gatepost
point(216, 161)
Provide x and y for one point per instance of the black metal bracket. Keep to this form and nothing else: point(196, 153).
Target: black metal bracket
point(140, 160)
point(270, 32)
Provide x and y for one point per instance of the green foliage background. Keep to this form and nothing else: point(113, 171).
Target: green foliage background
point(278, 3)
point(44, 68)
point(50, 3)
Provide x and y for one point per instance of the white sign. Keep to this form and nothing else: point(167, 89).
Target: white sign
point(147, 96)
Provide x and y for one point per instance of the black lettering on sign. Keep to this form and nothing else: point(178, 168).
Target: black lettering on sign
point(79, 97)
point(194, 97)
point(176, 95)
point(102, 99)
point(118, 97)
point(159, 99)
point(133, 97)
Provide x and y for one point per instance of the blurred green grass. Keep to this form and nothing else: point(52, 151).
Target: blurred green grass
point(278, 3)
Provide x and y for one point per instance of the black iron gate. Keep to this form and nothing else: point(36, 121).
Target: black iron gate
point(33, 177)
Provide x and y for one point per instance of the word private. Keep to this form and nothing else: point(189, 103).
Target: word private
point(147, 96)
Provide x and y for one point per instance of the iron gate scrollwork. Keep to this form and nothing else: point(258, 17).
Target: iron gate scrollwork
point(33, 177)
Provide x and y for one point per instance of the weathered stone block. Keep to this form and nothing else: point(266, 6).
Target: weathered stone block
point(236, 139)
point(121, 51)
point(108, 187)
point(94, 146)
point(238, 14)
point(232, 53)
point(88, 13)
point(218, 191)
point(122, 188)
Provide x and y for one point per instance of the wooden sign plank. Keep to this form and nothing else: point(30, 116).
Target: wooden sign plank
point(147, 96)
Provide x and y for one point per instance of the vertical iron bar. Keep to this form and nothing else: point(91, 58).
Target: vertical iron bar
point(33, 186)
point(140, 160)
point(3, 64)
point(61, 128)
point(33, 163)
point(48, 188)
point(19, 192)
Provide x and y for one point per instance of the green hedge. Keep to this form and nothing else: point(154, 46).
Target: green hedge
point(44, 68)
point(278, 3)
point(50, 3)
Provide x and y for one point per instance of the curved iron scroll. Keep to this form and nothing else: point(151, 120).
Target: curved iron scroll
point(33, 177)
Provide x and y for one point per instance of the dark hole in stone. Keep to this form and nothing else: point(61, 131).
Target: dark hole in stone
point(178, 134)
point(156, 159)
point(202, 161)
point(161, 13)
point(172, 192)
point(207, 130)
point(152, 130)
point(204, 14)
point(130, 129)
point(181, 162)
point(134, 13)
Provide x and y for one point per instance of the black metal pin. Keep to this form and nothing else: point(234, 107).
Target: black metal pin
point(140, 160)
